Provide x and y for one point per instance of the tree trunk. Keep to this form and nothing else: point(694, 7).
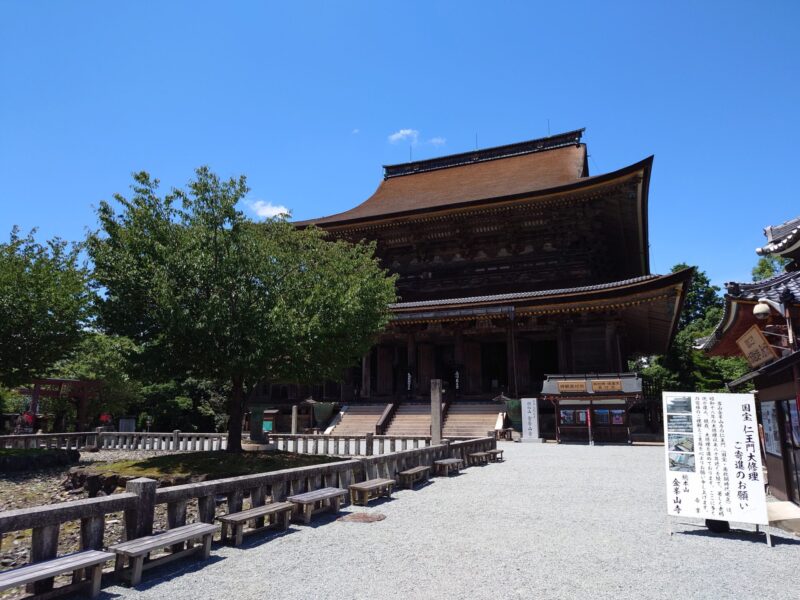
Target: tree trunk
point(235, 416)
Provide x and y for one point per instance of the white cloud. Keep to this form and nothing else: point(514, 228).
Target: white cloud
point(267, 210)
point(437, 141)
point(404, 134)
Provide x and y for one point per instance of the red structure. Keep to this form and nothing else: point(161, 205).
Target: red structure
point(80, 393)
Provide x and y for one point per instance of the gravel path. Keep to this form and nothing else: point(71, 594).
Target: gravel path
point(550, 522)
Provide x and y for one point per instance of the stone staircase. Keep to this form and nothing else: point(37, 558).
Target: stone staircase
point(411, 419)
point(465, 420)
point(358, 419)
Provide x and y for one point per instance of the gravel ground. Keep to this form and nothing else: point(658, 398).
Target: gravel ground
point(550, 522)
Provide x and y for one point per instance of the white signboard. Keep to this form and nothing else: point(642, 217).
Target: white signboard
point(713, 457)
point(530, 420)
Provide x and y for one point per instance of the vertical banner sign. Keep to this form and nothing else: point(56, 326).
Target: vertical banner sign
point(530, 420)
point(713, 457)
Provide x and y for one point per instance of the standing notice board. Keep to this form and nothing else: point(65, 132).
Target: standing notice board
point(530, 420)
point(713, 457)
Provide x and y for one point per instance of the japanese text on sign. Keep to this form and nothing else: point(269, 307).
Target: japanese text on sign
point(713, 458)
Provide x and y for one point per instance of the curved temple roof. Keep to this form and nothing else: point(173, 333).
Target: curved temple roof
point(505, 171)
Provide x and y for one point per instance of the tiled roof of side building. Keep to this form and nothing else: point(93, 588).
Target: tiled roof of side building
point(781, 237)
point(784, 287)
point(473, 176)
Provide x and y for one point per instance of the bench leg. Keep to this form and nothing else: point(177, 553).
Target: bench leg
point(353, 497)
point(239, 534)
point(119, 563)
point(307, 509)
point(97, 575)
point(336, 504)
point(285, 518)
point(207, 545)
point(224, 533)
point(136, 569)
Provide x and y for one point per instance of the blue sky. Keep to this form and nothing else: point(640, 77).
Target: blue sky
point(303, 98)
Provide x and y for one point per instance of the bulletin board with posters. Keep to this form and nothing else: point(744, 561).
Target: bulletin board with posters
point(713, 457)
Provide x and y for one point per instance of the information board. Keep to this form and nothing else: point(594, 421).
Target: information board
point(713, 457)
point(530, 420)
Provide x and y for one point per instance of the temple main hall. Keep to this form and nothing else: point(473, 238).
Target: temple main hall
point(513, 263)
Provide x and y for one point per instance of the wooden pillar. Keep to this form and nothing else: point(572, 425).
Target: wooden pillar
point(294, 419)
point(523, 348)
point(436, 411)
point(411, 375)
point(511, 358)
point(458, 358)
point(366, 376)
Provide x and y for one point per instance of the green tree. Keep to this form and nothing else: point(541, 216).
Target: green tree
point(685, 367)
point(700, 297)
point(769, 266)
point(45, 305)
point(209, 294)
point(109, 361)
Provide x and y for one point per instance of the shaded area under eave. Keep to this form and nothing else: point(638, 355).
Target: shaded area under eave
point(649, 307)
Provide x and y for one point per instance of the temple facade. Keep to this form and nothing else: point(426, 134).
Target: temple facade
point(513, 263)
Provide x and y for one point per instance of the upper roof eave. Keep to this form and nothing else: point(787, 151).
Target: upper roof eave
point(644, 166)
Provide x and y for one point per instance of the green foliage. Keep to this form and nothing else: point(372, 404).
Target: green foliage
point(208, 293)
point(44, 305)
point(700, 297)
point(188, 405)
point(769, 266)
point(685, 368)
point(107, 359)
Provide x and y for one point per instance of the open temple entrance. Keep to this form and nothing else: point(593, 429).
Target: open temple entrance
point(494, 367)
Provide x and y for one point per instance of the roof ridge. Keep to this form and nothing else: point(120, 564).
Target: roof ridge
point(552, 142)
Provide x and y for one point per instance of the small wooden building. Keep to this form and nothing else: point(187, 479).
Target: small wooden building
point(593, 407)
point(760, 321)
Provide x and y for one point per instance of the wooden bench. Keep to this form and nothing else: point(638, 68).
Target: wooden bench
point(91, 560)
point(495, 455)
point(479, 458)
point(137, 550)
point(277, 513)
point(411, 476)
point(361, 493)
point(311, 503)
point(446, 466)
point(504, 434)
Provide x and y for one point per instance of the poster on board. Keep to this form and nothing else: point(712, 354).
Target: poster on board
point(772, 436)
point(713, 457)
point(530, 420)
